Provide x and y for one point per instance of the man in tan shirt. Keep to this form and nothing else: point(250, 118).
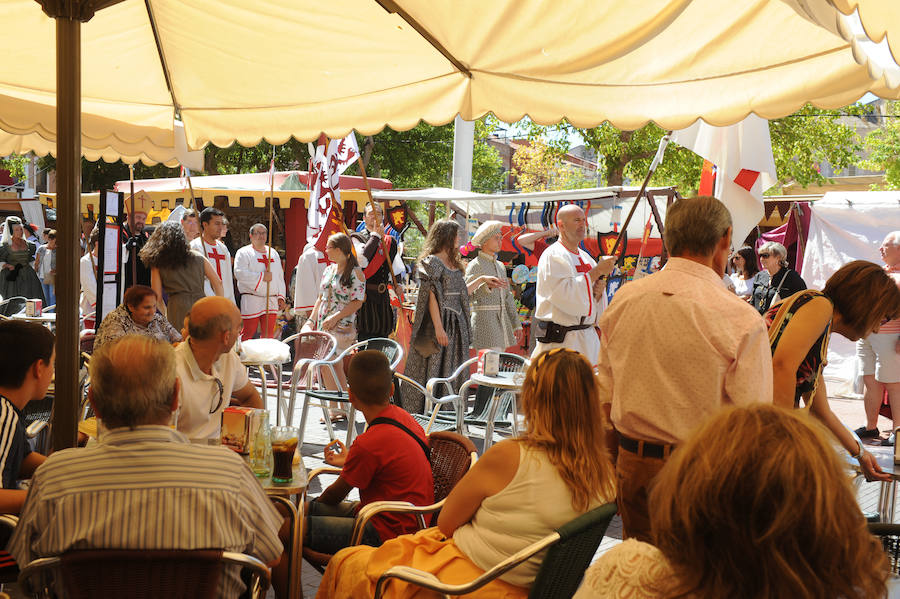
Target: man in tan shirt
point(675, 347)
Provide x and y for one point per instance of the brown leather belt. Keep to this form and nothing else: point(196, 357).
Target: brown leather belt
point(377, 287)
point(645, 449)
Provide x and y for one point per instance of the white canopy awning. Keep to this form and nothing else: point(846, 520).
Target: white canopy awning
point(234, 70)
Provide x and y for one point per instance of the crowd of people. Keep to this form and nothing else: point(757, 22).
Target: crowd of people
point(700, 410)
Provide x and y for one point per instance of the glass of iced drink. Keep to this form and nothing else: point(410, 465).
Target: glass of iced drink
point(284, 444)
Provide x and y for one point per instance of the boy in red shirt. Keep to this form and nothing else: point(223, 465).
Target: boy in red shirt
point(387, 462)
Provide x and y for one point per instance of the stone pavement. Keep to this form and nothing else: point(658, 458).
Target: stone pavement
point(850, 411)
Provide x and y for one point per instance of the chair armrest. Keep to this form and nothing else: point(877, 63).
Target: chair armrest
point(432, 383)
point(322, 470)
point(430, 581)
point(406, 380)
point(367, 512)
point(35, 428)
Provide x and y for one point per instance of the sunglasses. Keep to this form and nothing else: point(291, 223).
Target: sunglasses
point(764, 255)
point(221, 391)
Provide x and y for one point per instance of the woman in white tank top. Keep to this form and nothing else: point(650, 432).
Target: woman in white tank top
point(518, 492)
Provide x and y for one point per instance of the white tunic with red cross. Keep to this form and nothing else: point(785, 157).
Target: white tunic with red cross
point(565, 295)
point(220, 258)
point(249, 267)
point(310, 266)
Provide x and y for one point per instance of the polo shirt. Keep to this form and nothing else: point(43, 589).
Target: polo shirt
point(200, 393)
point(13, 444)
point(386, 464)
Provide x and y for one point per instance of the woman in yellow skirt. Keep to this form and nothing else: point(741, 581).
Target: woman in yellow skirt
point(518, 492)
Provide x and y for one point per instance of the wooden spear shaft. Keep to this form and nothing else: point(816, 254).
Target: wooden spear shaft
point(268, 247)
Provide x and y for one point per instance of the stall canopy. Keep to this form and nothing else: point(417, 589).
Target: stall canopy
point(237, 70)
point(846, 226)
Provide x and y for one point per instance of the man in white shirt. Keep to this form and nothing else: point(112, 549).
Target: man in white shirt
point(310, 266)
point(566, 309)
point(212, 221)
point(675, 347)
point(211, 374)
point(255, 265)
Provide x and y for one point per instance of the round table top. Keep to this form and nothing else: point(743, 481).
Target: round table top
point(48, 317)
point(503, 380)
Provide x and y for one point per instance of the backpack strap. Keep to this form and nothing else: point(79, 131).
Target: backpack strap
point(392, 422)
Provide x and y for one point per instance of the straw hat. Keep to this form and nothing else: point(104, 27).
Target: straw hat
point(488, 229)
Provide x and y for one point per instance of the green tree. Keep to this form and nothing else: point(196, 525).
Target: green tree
point(800, 142)
point(539, 167)
point(15, 164)
point(884, 147)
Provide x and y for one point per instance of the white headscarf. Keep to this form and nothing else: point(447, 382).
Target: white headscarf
point(7, 230)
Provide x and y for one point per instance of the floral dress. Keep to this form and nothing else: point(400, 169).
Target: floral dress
point(334, 297)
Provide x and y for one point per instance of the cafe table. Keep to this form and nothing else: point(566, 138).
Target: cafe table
point(48, 319)
point(885, 458)
point(503, 381)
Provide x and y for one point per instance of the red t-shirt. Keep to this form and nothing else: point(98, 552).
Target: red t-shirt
point(385, 463)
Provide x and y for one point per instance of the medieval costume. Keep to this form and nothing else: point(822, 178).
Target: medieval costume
point(376, 317)
point(249, 268)
point(220, 258)
point(495, 318)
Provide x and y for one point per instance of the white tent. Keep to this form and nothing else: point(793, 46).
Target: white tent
point(238, 70)
point(846, 226)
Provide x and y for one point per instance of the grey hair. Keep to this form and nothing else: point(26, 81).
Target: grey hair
point(695, 226)
point(214, 325)
point(376, 207)
point(773, 247)
point(133, 381)
point(893, 238)
point(257, 226)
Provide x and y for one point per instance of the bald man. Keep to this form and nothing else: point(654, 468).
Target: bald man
point(211, 374)
point(566, 311)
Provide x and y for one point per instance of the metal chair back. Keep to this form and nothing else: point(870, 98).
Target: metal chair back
point(139, 574)
point(566, 560)
point(889, 535)
point(13, 305)
point(451, 458)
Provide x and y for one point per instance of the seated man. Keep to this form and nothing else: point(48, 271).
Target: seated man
point(144, 486)
point(211, 375)
point(27, 356)
point(387, 462)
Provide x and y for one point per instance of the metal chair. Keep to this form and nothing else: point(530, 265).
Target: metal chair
point(294, 544)
point(315, 375)
point(452, 455)
point(13, 305)
point(570, 550)
point(309, 347)
point(889, 535)
point(139, 574)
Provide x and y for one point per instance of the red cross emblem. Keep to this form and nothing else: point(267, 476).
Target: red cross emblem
point(215, 255)
point(266, 261)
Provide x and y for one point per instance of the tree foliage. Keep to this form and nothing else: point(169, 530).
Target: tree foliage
point(15, 164)
point(884, 147)
point(539, 167)
point(800, 143)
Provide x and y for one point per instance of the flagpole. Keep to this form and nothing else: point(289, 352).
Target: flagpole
point(269, 244)
point(133, 253)
point(663, 142)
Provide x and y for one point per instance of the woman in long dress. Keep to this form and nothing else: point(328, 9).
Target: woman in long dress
point(495, 319)
point(440, 333)
point(17, 277)
point(178, 271)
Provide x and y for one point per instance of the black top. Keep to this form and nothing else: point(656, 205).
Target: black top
point(13, 444)
point(785, 283)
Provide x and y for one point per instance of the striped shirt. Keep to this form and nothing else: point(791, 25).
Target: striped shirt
point(147, 488)
point(13, 444)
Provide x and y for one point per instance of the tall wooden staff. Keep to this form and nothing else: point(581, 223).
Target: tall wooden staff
point(132, 253)
point(269, 236)
point(663, 142)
